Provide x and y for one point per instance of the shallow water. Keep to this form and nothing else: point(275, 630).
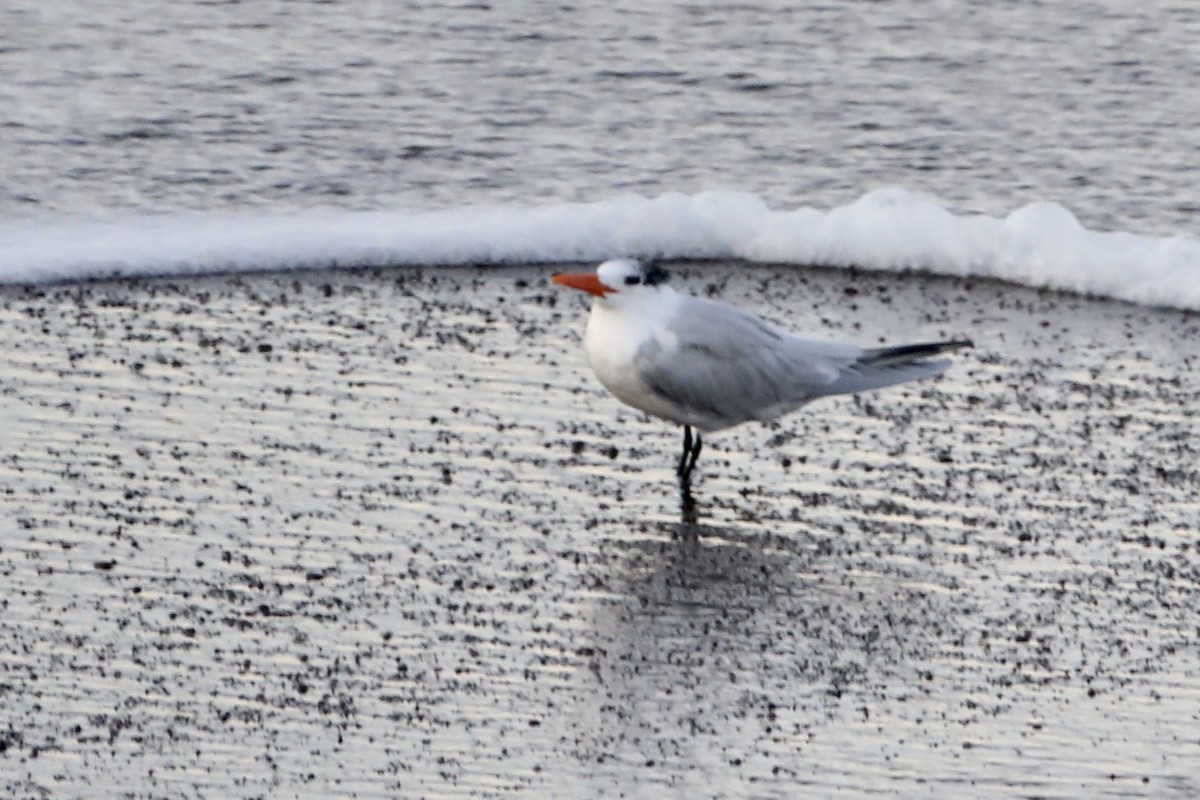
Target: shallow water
point(381, 533)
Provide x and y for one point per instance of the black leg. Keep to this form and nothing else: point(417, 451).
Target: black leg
point(682, 469)
point(691, 452)
point(695, 455)
point(687, 458)
point(687, 462)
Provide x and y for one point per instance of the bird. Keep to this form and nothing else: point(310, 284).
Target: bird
point(708, 365)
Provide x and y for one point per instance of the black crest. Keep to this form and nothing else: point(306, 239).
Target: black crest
point(655, 275)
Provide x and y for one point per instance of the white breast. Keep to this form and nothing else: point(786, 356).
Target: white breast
point(612, 341)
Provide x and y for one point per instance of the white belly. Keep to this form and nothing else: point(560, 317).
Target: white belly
point(612, 346)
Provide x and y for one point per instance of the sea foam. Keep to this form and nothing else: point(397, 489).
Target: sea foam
point(1040, 244)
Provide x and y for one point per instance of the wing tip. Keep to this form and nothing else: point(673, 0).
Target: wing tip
point(911, 353)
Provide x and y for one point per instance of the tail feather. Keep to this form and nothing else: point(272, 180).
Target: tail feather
point(909, 353)
point(887, 366)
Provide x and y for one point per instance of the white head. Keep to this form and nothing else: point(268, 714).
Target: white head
point(618, 279)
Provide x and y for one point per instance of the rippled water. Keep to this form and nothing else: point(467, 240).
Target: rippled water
point(381, 534)
point(988, 106)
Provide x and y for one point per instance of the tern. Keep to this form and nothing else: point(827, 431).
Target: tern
point(708, 366)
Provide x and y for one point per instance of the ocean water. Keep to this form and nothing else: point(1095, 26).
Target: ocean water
point(970, 138)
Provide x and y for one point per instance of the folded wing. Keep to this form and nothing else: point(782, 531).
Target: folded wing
point(721, 366)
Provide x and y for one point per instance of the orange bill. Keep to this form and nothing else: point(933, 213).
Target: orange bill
point(585, 281)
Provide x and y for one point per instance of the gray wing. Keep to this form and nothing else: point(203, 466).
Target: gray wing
point(723, 365)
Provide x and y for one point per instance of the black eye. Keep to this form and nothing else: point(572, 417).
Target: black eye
point(633, 280)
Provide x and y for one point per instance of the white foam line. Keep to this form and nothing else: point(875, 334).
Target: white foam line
point(1041, 244)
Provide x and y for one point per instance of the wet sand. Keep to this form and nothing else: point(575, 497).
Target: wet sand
point(381, 534)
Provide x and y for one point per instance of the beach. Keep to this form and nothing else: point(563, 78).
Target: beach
point(380, 533)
